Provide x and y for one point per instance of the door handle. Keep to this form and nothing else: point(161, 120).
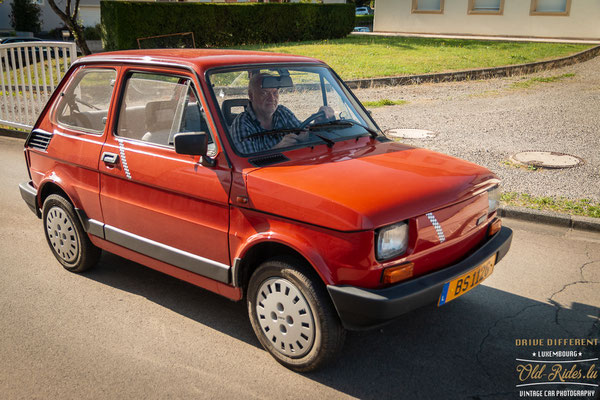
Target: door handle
point(110, 158)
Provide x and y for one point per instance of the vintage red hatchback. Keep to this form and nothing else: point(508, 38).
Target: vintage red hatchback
point(261, 177)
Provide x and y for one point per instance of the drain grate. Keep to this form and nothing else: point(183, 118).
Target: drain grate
point(546, 159)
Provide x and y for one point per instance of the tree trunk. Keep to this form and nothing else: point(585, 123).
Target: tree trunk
point(70, 20)
point(77, 32)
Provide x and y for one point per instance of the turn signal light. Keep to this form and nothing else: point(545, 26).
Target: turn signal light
point(397, 273)
point(495, 226)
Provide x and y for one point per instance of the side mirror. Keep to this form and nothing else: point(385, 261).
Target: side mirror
point(195, 144)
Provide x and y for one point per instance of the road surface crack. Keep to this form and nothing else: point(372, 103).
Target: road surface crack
point(489, 333)
point(558, 306)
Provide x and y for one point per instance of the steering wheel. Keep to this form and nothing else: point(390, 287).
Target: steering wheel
point(85, 103)
point(311, 118)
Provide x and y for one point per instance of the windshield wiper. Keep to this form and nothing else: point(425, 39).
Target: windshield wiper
point(276, 132)
point(343, 122)
point(327, 141)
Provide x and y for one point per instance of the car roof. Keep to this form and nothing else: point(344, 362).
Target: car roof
point(202, 59)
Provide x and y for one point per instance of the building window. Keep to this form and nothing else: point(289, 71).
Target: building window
point(550, 7)
point(486, 7)
point(428, 6)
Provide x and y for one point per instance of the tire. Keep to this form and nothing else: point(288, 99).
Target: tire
point(65, 235)
point(293, 316)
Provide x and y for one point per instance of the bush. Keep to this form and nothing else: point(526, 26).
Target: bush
point(92, 32)
point(364, 20)
point(222, 25)
point(25, 16)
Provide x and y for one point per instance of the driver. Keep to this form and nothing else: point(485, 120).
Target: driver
point(264, 114)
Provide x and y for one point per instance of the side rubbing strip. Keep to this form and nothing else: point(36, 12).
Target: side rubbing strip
point(91, 226)
point(179, 258)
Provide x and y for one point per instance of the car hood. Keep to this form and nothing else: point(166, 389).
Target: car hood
point(367, 188)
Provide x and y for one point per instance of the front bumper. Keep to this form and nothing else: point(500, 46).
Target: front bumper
point(29, 194)
point(368, 308)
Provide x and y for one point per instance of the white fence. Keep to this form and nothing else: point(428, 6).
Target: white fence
point(29, 73)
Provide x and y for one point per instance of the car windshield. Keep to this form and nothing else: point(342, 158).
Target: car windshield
point(279, 108)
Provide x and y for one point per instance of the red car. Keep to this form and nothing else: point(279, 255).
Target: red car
point(260, 177)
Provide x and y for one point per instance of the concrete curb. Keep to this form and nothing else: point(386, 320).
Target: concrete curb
point(475, 74)
point(551, 218)
point(13, 134)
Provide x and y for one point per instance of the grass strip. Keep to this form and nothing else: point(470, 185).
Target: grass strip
point(545, 79)
point(359, 56)
point(383, 103)
point(584, 207)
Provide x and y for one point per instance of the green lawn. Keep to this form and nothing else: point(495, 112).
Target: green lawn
point(585, 207)
point(367, 56)
point(57, 72)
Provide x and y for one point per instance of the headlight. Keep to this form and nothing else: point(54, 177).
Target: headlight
point(391, 240)
point(493, 199)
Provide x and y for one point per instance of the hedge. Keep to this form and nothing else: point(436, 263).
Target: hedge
point(223, 25)
point(364, 19)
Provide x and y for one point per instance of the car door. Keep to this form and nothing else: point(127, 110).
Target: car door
point(159, 203)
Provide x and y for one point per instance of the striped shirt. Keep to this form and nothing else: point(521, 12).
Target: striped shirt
point(247, 124)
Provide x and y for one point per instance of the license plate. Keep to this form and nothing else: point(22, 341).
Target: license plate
point(461, 285)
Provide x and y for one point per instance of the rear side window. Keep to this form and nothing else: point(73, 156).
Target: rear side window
point(156, 107)
point(84, 103)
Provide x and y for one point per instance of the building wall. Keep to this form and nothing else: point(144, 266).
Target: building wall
point(89, 14)
point(583, 21)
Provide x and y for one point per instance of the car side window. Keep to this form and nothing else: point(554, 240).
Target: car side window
point(85, 101)
point(156, 107)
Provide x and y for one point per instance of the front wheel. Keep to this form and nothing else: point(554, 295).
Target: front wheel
point(292, 315)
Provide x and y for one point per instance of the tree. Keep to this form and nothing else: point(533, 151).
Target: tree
point(25, 16)
point(69, 17)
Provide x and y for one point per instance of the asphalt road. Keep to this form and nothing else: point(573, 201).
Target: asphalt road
point(125, 331)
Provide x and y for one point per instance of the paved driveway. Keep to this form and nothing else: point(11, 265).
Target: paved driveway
point(489, 120)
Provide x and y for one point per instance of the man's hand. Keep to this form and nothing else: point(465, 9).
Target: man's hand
point(329, 113)
point(292, 139)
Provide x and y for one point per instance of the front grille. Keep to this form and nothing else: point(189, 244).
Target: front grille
point(39, 140)
point(268, 160)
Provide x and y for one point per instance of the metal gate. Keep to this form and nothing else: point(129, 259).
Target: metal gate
point(29, 73)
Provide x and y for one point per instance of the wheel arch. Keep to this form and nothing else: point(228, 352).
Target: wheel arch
point(259, 251)
point(51, 187)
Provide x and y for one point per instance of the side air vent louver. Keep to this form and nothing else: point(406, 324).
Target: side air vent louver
point(268, 160)
point(39, 140)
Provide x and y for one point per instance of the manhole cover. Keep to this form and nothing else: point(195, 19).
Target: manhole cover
point(411, 133)
point(546, 159)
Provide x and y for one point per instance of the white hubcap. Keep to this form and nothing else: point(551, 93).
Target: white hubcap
point(61, 233)
point(285, 317)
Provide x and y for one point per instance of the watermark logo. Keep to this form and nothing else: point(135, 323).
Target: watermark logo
point(558, 368)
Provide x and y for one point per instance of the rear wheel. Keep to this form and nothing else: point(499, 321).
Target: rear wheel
point(65, 235)
point(292, 315)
